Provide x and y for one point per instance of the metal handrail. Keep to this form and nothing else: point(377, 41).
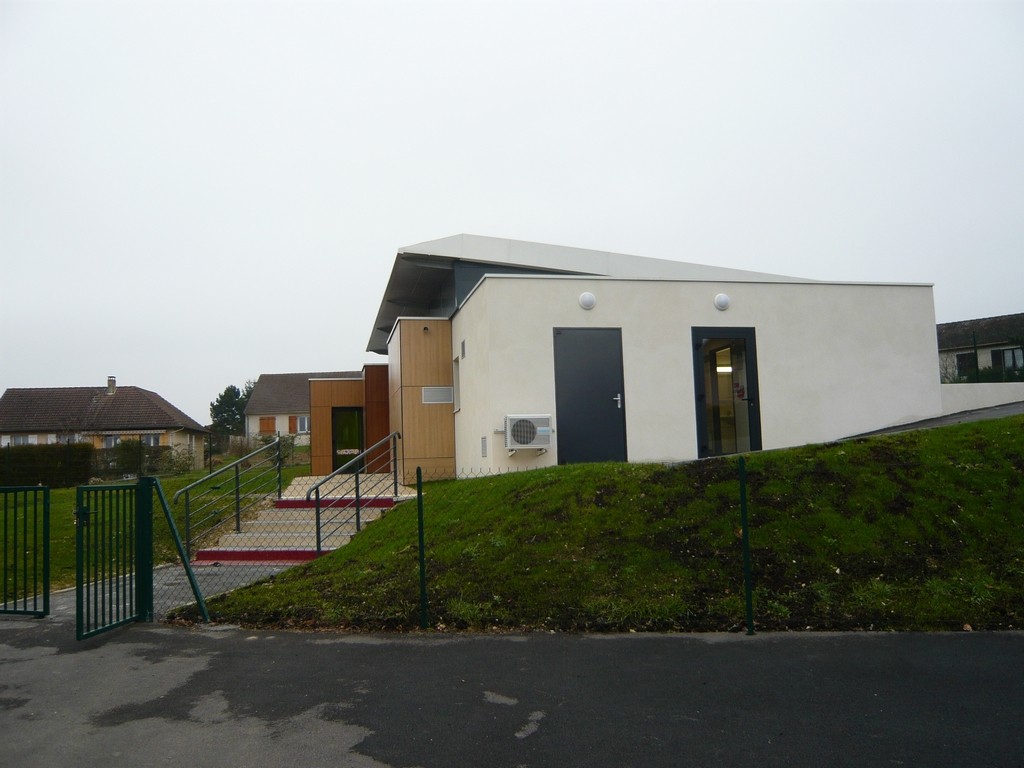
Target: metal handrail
point(359, 463)
point(394, 436)
point(213, 505)
point(225, 468)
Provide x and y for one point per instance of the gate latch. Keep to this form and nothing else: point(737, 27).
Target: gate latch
point(82, 516)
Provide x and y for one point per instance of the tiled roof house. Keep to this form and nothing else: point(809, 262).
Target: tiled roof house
point(279, 403)
point(997, 341)
point(101, 415)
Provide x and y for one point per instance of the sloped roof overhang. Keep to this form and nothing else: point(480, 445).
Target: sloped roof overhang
point(424, 283)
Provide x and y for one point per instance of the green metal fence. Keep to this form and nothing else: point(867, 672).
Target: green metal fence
point(114, 563)
point(25, 542)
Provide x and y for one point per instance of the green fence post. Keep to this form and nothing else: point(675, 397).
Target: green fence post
point(144, 549)
point(423, 561)
point(46, 551)
point(747, 578)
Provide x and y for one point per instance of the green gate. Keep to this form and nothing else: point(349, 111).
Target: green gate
point(25, 544)
point(114, 562)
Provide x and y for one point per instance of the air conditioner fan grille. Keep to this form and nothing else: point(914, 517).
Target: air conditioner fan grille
point(524, 431)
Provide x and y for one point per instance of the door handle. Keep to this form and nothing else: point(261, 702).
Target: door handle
point(618, 400)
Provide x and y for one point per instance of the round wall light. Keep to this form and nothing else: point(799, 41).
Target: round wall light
point(722, 302)
point(588, 300)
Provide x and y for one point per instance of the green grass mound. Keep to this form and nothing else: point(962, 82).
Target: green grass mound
point(920, 531)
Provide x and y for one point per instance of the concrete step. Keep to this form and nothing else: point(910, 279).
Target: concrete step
point(308, 516)
point(277, 540)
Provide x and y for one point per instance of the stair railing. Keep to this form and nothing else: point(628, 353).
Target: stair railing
point(363, 480)
point(226, 495)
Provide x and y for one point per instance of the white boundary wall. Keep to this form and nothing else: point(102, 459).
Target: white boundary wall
point(957, 398)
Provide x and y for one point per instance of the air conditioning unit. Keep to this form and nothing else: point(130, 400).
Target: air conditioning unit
point(527, 431)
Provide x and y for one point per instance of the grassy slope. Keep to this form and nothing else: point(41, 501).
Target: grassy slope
point(915, 531)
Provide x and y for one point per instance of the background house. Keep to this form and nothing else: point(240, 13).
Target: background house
point(985, 349)
point(102, 416)
point(279, 404)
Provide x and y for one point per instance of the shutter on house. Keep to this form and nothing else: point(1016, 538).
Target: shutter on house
point(268, 425)
point(293, 425)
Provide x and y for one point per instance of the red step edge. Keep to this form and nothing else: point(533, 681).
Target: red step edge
point(209, 556)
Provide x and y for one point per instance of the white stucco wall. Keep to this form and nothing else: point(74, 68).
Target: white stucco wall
point(957, 398)
point(834, 359)
point(252, 427)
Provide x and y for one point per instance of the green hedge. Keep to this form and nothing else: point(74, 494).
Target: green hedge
point(60, 465)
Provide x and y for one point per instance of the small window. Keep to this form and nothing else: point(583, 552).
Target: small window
point(21, 440)
point(302, 424)
point(111, 441)
point(153, 440)
point(966, 364)
point(438, 395)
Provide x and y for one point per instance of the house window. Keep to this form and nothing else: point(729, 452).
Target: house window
point(298, 425)
point(1008, 359)
point(268, 425)
point(966, 365)
point(23, 440)
point(111, 441)
point(152, 440)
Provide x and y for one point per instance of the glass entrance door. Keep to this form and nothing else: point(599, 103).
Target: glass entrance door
point(347, 435)
point(725, 374)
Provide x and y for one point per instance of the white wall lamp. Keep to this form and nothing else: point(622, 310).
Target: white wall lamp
point(722, 302)
point(588, 300)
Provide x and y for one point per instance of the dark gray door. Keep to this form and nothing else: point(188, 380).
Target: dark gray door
point(590, 400)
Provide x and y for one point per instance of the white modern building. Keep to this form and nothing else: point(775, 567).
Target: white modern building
point(508, 354)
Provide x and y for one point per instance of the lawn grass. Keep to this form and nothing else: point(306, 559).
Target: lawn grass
point(62, 524)
point(919, 531)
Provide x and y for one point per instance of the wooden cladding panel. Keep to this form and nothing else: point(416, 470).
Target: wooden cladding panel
point(426, 359)
point(337, 393)
point(375, 383)
point(428, 431)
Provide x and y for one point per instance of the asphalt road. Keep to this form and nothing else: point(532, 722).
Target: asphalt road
point(153, 695)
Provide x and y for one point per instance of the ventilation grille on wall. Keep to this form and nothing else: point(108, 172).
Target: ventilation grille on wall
point(527, 431)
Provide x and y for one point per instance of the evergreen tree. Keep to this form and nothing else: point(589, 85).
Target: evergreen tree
point(227, 412)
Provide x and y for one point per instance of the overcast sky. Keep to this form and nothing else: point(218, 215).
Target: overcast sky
point(194, 193)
